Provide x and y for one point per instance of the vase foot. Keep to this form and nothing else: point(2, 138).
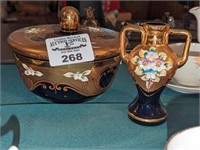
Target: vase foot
point(146, 114)
point(146, 122)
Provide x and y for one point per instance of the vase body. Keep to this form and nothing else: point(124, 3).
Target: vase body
point(151, 64)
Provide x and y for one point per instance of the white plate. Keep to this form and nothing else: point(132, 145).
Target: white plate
point(187, 139)
point(182, 89)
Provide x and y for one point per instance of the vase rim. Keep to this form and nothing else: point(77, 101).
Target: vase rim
point(153, 23)
point(159, 26)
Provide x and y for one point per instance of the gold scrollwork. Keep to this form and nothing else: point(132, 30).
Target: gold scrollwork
point(52, 87)
point(132, 115)
point(65, 88)
point(57, 87)
point(44, 86)
point(93, 92)
point(96, 83)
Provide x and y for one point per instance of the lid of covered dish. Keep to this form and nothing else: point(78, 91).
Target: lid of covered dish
point(30, 41)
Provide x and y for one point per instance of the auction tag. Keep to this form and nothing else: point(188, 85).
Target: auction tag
point(69, 49)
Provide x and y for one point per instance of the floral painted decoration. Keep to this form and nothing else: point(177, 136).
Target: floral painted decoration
point(151, 65)
point(34, 30)
point(30, 72)
point(78, 75)
point(197, 61)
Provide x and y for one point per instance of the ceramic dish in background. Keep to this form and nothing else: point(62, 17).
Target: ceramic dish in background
point(187, 139)
point(187, 77)
point(183, 89)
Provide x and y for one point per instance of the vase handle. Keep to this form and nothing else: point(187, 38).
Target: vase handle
point(182, 60)
point(129, 27)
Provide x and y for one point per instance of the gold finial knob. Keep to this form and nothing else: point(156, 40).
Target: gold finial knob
point(69, 19)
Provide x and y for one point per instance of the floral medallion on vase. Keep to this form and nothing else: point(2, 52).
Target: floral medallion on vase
point(151, 65)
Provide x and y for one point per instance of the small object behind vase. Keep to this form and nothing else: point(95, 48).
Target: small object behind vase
point(167, 18)
point(90, 19)
point(196, 12)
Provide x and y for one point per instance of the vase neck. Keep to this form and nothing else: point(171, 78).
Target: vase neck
point(149, 97)
point(155, 33)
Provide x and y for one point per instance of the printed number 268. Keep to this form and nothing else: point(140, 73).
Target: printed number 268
point(72, 57)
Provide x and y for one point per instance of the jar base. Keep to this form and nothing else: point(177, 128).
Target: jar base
point(61, 96)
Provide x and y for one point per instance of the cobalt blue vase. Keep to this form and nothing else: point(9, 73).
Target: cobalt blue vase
point(147, 109)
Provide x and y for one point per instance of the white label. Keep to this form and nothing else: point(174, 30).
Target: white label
point(69, 49)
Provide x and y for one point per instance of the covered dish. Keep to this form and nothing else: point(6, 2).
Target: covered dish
point(68, 83)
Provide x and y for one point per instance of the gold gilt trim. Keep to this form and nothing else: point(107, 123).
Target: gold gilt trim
point(54, 86)
point(149, 95)
point(146, 120)
point(57, 87)
point(43, 63)
point(33, 45)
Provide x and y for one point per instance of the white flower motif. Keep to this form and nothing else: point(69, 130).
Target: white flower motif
point(168, 65)
point(150, 75)
point(162, 56)
point(94, 29)
point(138, 71)
point(78, 75)
point(145, 64)
point(162, 73)
point(142, 53)
point(151, 55)
point(135, 60)
point(34, 30)
point(158, 65)
point(30, 72)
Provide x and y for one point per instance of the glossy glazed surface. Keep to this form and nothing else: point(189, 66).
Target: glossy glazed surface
point(69, 83)
point(151, 64)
